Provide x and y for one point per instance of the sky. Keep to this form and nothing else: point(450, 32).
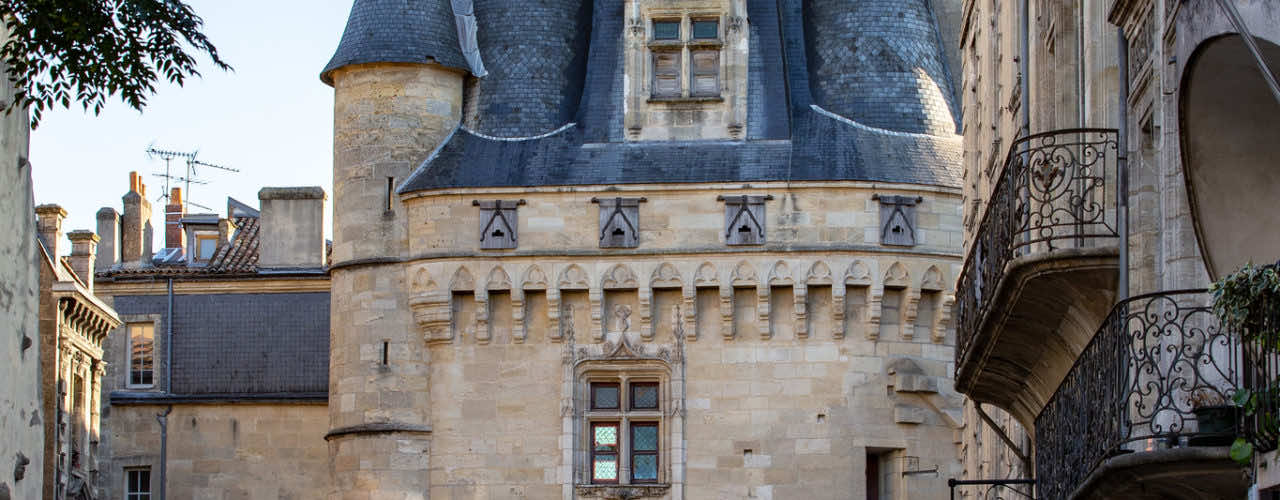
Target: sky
point(271, 118)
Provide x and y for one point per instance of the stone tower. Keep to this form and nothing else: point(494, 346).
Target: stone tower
point(641, 249)
point(397, 84)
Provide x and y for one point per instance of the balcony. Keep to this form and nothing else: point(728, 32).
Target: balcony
point(1042, 272)
point(1124, 423)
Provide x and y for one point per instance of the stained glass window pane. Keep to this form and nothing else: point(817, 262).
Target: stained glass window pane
point(666, 30)
point(644, 467)
point(604, 396)
point(644, 396)
point(606, 436)
point(605, 468)
point(706, 29)
point(644, 437)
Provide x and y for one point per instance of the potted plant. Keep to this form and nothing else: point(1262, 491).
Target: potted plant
point(1247, 302)
point(1215, 418)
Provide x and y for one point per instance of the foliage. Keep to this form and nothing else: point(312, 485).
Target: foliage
point(1244, 301)
point(87, 51)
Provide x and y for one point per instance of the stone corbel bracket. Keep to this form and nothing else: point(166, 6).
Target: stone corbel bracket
point(431, 312)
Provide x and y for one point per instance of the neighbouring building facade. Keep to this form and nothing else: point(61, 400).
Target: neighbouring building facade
point(216, 380)
point(1119, 156)
point(73, 328)
point(644, 249)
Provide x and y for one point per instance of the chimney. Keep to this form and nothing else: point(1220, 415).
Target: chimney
point(49, 227)
point(174, 236)
point(135, 246)
point(84, 249)
point(291, 231)
point(225, 229)
point(109, 247)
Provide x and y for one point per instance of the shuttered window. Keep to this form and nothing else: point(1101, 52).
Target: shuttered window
point(705, 78)
point(666, 74)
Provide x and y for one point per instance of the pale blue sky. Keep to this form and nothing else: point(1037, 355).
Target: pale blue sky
point(271, 118)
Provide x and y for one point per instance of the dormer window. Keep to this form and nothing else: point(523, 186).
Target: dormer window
point(675, 41)
point(205, 245)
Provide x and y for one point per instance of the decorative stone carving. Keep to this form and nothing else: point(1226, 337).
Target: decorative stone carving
point(534, 279)
point(735, 24)
point(665, 276)
point(898, 219)
point(498, 223)
point(781, 275)
point(897, 276)
point(574, 278)
point(619, 222)
point(622, 318)
point(744, 275)
point(619, 277)
point(628, 492)
point(932, 280)
point(498, 280)
point(422, 281)
point(462, 281)
point(432, 315)
point(859, 274)
point(706, 276)
point(819, 274)
point(744, 219)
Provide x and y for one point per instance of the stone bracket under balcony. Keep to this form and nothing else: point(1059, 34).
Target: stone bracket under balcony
point(1043, 313)
point(1202, 473)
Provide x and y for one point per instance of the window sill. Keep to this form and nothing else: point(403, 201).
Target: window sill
point(619, 491)
point(682, 100)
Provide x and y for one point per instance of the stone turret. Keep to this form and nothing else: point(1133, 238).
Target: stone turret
point(880, 63)
point(397, 80)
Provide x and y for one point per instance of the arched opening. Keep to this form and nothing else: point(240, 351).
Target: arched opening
point(1230, 125)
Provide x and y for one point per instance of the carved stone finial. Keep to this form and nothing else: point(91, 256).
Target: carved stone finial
point(567, 322)
point(677, 322)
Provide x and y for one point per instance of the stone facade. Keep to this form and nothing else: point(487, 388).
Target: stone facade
point(21, 417)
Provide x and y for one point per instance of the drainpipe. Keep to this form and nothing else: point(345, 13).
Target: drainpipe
point(163, 418)
point(1024, 63)
point(1122, 168)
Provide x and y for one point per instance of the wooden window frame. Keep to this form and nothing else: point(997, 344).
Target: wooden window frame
point(129, 492)
point(694, 74)
point(655, 453)
point(617, 452)
point(631, 396)
point(129, 371)
point(684, 46)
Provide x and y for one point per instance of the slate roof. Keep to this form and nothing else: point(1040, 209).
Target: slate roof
point(408, 31)
point(789, 135)
point(243, 344)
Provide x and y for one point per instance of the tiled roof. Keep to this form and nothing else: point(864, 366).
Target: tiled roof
point(789, 134)
point(237, 257)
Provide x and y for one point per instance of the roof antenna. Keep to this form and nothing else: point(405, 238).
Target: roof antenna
point(191, 175)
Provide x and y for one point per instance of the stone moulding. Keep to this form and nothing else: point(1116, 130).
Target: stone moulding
point(432, 314)
point(622, 492)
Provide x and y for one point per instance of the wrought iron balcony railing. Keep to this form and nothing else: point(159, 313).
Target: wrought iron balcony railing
point(1057, 190)
point(1157, 362)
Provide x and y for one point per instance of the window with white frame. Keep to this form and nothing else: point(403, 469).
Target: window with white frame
point(137, 483)
point(624, 420)
point(142, 358)
point(675, 40)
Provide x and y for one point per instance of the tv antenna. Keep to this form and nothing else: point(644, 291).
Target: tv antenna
point(190, 177)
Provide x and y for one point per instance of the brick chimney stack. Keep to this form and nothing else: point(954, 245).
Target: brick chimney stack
point(109, 231)
point(136, 230)
point(174, 236)
point(84, 250)
point(49, 227)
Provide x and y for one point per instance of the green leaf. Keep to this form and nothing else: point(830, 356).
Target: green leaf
point(1242, 451)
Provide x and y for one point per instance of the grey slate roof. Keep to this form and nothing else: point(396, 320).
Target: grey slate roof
point(407, 31)
point(243, 344)
point(788, 138)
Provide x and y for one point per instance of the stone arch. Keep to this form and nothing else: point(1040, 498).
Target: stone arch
point(534, 279)
point(819, 274)
point(706, 275)
point(859, 274)
point(744, 275)
point(422, 280)
point(619, 277)
point(462, 280)
point(574, 278)
point(666, 276)
point(780, 275)
point(498, 279)
point(933, 280)
point(897, 276)
point(1227, 131)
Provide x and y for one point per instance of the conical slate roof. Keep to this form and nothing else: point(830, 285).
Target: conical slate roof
point(405, 31)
